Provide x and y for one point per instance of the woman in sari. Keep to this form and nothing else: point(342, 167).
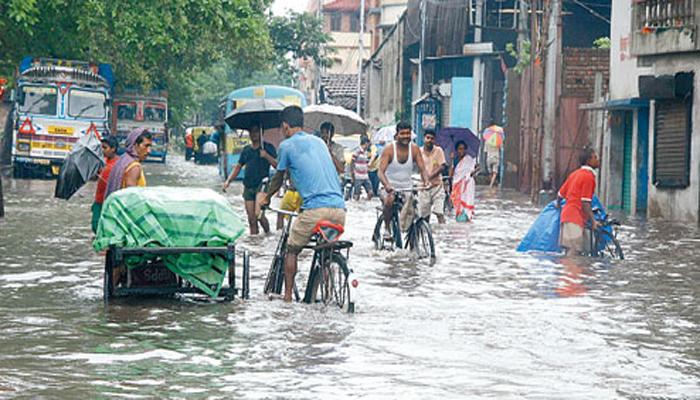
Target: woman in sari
point(464, 167)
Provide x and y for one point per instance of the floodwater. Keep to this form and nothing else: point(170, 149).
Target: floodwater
point(482, 322)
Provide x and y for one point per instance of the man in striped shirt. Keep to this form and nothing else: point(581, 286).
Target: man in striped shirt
point(360, 169)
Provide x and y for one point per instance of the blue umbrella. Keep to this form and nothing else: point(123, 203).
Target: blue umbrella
point(448, 137)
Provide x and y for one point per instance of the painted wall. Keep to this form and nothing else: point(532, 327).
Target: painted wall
point(346, 45)
point(392, 10)
point(679, 204)
point(461, 109)
point(624, 71)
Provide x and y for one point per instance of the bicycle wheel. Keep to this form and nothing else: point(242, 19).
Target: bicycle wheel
point(421, 239)
point(378, 234)
point(396, 231)
point(275, 276)
point(329, 284)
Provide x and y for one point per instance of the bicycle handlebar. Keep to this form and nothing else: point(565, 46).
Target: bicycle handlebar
point(283, 212)
point(414, 189)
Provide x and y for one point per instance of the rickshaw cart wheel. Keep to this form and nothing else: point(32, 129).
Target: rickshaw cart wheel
point(108, 284)
point(231, 258)
point(245, 285)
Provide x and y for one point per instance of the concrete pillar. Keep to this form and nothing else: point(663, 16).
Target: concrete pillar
point(551, 94)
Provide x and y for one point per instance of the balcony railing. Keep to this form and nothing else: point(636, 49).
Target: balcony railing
point(660, 14)
point(665, 27)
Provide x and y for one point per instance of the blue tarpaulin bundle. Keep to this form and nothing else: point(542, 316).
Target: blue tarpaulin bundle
point(544, 232)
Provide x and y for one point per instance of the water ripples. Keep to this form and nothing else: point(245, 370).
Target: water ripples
point(482, 322)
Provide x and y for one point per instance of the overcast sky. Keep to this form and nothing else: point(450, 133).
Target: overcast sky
point(279, 7)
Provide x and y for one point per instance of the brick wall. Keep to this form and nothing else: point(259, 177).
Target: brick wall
point(580, 66)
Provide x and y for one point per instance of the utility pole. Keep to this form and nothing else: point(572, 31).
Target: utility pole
point(553, 48)
point(421, 53)
point(477, 70)
point(317, 72)
point(522, 24)
point(359, 56)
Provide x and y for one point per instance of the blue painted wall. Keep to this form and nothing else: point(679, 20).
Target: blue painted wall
point(461, 103)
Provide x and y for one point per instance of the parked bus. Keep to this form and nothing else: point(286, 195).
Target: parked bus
point(55, 103)
point(134, 110)
point(234, 141)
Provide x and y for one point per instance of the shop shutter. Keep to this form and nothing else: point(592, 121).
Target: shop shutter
point(672, 144)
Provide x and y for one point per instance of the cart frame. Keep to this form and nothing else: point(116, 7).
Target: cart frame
point(116, 255)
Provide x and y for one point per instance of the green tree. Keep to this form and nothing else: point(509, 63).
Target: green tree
point(158, 43)
point(298, 36)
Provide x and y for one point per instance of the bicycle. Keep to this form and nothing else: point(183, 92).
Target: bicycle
point(604, 240)
point(419, 237)
point(330, 280)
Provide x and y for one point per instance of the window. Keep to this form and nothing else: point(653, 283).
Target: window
point(672, 124)
point(126, 111)
point(86, 104)
point(355, 22)
point(152, 112)
point(38, 100)
point(336, 22)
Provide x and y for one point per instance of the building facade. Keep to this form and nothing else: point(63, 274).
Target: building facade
point(651, 152)
point(341, 19)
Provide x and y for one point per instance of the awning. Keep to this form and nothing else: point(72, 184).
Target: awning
point(630, 103)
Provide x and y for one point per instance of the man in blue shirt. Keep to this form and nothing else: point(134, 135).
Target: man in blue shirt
point(313, 173)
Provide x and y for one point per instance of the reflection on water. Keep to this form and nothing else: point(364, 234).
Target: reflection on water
point(483, 321)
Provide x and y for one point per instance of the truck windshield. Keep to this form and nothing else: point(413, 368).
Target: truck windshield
point(86, 104)
point(126, 111)
point(38, 100)
point(154, 113)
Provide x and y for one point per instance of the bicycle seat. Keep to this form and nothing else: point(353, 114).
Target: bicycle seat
point(329, 231)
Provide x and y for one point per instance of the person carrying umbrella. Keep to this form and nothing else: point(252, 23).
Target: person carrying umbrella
point(256, 158)
point(493, 140)
point(128, 171)
point(110, 145)
point(464, 167)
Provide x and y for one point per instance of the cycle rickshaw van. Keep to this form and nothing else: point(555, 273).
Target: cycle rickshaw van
point(167, 241)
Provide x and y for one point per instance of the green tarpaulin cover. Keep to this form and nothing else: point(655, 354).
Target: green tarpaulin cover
point(172, 217)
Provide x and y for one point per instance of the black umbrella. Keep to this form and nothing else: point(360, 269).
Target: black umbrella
point(81, 165)
point(265, 113)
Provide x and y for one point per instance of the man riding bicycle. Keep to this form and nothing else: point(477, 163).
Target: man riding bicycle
point(314, 175)
point(396, 168)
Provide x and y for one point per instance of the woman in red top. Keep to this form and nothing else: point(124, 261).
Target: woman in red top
point(578, 192)
point(110, 145)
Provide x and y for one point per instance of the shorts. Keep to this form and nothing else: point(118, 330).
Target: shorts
point(303, 226)
point(433, 200)
point(291, 201)
point(407, 211)
point(575, 238)
point(364, 183)
point(249, 193)
point(492, 162)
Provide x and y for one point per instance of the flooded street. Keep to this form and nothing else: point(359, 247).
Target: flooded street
point(482, 322)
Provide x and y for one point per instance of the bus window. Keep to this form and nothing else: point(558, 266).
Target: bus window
point(86, 104)
point(126, 111)
point(38, 100)
point(154, 113)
